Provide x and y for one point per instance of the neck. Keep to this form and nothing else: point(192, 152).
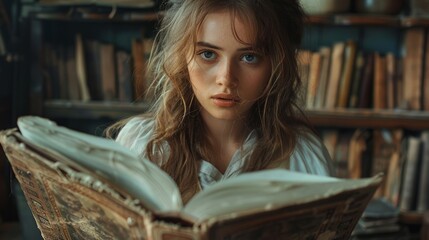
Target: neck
point(223, 138)
point(225, 131)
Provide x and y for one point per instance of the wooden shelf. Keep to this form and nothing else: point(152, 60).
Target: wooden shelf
point(347, 118)
point(100, 17)
point(374, 20)
point(368, 20)
point(92, 110)
point(355, 118)
point(92, 13)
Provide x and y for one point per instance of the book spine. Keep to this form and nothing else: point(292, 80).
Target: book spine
point(304, 57)
point(108, 71)
point(357, 80)
point(423, 193)
point(313, 81)
point(426, 75)
point(347, 74)
point(324, 77)
point(335, 74)
point(367, 83)
point(409, 175)
point(413, 68)
point(138, 69)
point(379, 93)
point(81, 69)
point(390, 81)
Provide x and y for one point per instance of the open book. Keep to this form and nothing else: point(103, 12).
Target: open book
point(81, 186)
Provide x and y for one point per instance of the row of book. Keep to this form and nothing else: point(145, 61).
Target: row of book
point(344, 76)
point(95, 70)
point(403, 158)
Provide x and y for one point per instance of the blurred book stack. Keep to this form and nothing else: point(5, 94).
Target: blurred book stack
point(379, 221)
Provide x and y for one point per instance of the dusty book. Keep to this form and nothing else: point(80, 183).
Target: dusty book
point(80, 186)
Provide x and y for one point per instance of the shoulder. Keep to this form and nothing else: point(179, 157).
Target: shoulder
point(310, 155)
point(136, 133)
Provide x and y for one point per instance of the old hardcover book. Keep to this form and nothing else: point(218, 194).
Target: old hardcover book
point(72, 78)
point(81, 70)
point(365, 93)
point(426, 76)
point(423, 194)
point(93, 68)
point(108, 71)
point(391, 81)
point(410, 175)
point(304, 59)
point(413, 68)
point(139, 68)
point(124, 76)
point(393, 176)
point(313, 79)
point(325, 52)
point(380, 86)
point(336, 69)
point(341, 154)
point(356, 80)
point(347, 74)
point(357, 146)
point(385, 145)
point(79, 186)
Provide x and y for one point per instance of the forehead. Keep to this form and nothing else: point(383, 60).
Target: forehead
point(225, 23)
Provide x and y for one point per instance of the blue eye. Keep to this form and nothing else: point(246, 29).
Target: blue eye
point(208, 55)
point(250, 58)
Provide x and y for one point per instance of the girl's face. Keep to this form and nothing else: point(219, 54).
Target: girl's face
point(227, 74)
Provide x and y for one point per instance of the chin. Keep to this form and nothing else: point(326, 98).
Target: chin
point(227, 116)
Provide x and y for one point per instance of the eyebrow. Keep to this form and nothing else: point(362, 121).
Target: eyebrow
point(209, 45)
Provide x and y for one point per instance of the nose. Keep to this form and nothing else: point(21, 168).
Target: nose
point(227, 74)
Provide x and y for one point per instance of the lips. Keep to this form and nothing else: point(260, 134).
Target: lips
point(225, 100)
point(226, 97)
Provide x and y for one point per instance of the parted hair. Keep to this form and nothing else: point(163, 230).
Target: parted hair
point(277, 27)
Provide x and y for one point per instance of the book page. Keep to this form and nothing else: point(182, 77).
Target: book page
point(141, 178)
point(267, 189)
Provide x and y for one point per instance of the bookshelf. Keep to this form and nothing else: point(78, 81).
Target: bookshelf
point(80, 17)
point(376, 131)
point(56, 108)
point(118, 25)
point(49, 31)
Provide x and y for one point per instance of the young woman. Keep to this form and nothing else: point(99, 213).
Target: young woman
point(226, 85)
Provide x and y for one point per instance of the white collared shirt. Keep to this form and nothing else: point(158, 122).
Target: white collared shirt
point(309, 155)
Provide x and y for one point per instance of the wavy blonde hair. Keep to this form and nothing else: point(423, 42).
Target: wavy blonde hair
point(276, 116)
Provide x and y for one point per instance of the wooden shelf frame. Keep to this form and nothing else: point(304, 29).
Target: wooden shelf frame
point(370, 118)
point(92, 13)
point(348, 19)
point(92, 110)
point(346, 118)
point(368, 20)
